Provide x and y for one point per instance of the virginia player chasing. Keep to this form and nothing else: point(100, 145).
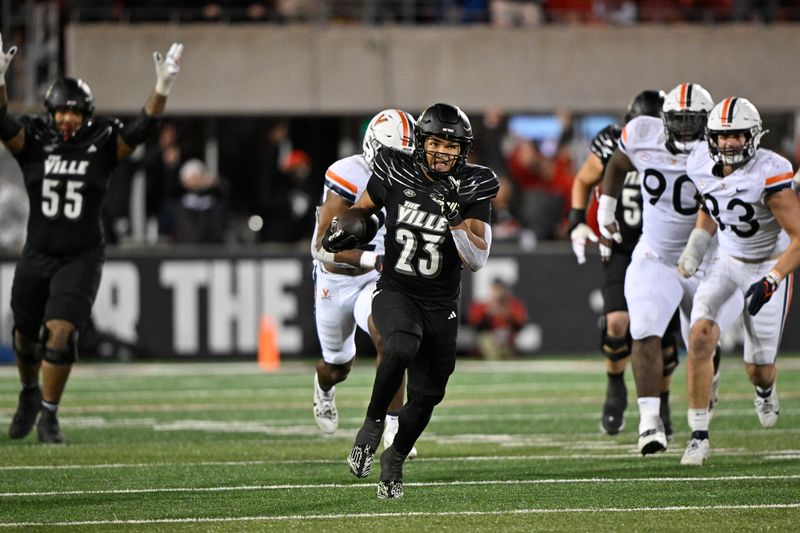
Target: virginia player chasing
point(66, 158)
point(344, 281)
point(615, 338)
point(437, 220)
point(756, 216)
point(658, 149)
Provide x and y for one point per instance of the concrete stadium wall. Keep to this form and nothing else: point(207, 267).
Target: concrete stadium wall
point(232, 69)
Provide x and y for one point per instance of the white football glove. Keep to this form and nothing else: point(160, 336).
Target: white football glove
point(578, 236)
point(696, 247)
point(607, 222)
point(5, 60)
point(167, 69)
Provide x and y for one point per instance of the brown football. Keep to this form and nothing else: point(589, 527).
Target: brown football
point(360, 223)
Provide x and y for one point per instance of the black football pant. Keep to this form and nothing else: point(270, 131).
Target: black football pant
point(418, 338)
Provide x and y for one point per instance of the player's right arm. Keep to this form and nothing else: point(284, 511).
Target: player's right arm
point(696, 247)
point(588, 176)
point(613, 180)
point(12, 134)
point(333, 206)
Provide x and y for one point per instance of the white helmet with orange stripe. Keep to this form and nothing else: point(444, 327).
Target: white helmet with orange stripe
point(392, 128)
point(684, 112)
point(734, 116)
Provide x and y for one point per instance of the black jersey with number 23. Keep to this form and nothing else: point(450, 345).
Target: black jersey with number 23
point(421, 259)
point(66, 183)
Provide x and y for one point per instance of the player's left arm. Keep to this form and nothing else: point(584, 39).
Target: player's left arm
point(137, 131)
point(473, 240)
point(785, 207)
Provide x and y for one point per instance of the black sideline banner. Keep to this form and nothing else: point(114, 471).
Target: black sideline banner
point(209, 305)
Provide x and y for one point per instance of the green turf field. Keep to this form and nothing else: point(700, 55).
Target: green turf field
point(514, 447)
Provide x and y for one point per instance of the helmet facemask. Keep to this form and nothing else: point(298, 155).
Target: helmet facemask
point(428, 159)
point(391, 128)
point(732, 117)
point(68, 94)
point(684, 129)
point(448, 123)
point(734, 156)
point(685, 114)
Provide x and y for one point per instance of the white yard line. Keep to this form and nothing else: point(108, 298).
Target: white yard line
point(630, 452)
point(552, 481)
point(406, 514)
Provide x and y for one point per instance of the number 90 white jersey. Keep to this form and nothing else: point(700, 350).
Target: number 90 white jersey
point(747, 228)
point(669, 198)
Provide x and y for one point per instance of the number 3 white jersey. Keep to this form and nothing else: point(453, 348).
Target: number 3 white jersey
point(669, 197)
point(348, 178)
point(747, 228)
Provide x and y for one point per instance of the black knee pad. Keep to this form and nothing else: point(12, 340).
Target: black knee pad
point(670, 354)
point(63, 357)
point(401, 347)
point(615, 348)
point(31, 352)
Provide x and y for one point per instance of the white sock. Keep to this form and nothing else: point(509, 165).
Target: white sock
point(698, 419)
point(649, 407)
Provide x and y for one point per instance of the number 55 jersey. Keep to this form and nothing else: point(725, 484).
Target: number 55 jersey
point(669, 197)
point(747, 228)
point(66, 183)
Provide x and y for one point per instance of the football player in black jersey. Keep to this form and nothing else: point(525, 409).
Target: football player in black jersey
point(615, 338)
point(66, 157)
point(437, 220)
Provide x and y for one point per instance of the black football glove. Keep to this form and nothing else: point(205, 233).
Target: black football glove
point(445, 193)
point(760, 292)
point(379, 263)
point(336, 239)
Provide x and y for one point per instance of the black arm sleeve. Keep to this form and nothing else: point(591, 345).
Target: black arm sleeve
point(137, 131)
point(9, 126)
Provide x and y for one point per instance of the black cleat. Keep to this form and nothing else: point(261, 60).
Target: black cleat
point(613, 420)
point(390, 490)
point(30, 402)
point(360, 460)
point(367, 440)
point(391, 484)
point(48, 428)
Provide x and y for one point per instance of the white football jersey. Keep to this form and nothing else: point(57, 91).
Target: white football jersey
point(348, 177)
point(746, 226)
point(669, 198)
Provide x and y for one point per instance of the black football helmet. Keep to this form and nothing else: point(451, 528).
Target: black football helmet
point(646, 103)
point(447, 122)
point(69, 93)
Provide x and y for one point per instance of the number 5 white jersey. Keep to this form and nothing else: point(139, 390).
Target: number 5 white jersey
point(747, 228)
point(669, 197)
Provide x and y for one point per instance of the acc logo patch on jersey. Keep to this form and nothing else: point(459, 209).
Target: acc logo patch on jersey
point(410, 193)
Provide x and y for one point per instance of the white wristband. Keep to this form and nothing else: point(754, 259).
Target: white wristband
point(775, 277)
point(367, 259)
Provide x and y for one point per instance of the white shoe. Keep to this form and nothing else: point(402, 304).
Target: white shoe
point(390, 431)
point(325, 408)
point(652, 440)
point(697, 451)
point(767, 408)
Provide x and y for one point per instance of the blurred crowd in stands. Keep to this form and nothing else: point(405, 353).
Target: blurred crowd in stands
point(496, 12)
point(263, 179)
